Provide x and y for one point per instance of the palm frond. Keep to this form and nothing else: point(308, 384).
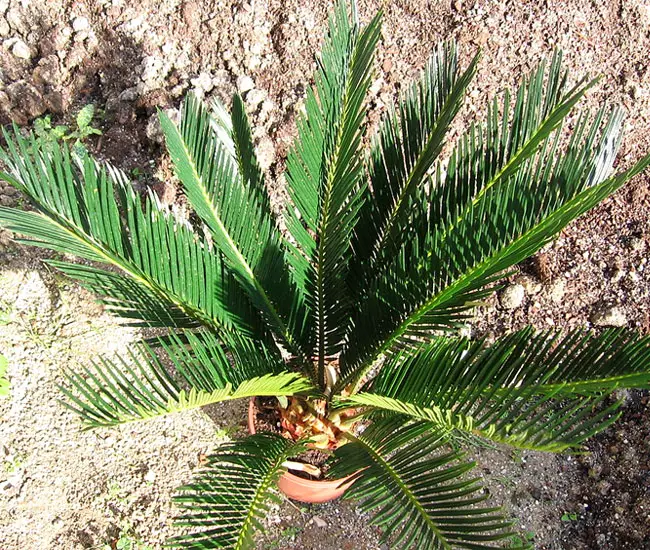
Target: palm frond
point(215, 161)
point(464, 240)
point(323, 175)
point(91, 211)
point(139, 386)
point(533, 391)
point(408, 143)
point(227, 499)
point(417, 488)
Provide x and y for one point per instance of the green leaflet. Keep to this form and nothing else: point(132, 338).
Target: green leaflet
point(226, 500)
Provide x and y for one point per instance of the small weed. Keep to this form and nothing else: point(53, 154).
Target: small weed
point(291, 532)
point(13, 463)
point(138, 173)
point(226, 432)
point(4, 382)
point(117, 493)
point(521, 540)
point(83, 128)
point(5, 316)
point(569, 516)
point(126, 540)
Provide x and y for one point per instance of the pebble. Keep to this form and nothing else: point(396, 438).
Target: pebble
point(637, 244)
point(80, 24)
point(58, 522)
point(609, 317)
point(557, 291)
point(265, 153)
point(21, 50)
point(319, 522)
point(245, 84)
point(203, 82)
point(255, 97)
point(130, 94)
point(512, 296)
point(4, 27)
point(531, 285)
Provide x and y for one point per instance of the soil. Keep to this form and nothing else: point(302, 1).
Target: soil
point(62, 488)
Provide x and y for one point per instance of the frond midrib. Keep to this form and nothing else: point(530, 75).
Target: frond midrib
point(465, 423)
point(386, 230)
point(260, 496)
point(385, 465)
point(135, 274)
point(571, 98)
point(284, 332)
point(326, 213)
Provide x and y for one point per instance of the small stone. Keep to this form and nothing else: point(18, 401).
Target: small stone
point(531, 285)
point(48, 71)
point(319, 522)
point(150, 476)
point(512, 296)
point(4, 27)
point(245, 84)
point(255, 97)
point(80, 24)
point(203, 82)
point(57, 522)
point(265, 153)
point(154, 130)
point(637, 244)
point(624, 396)
point(152, 70)
point(130, 94)
point(21, 50)
point(557, 291)
point(609, 317)
point(465, 331)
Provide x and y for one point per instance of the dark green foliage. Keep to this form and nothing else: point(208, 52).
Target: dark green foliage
point(416, 487)
point(533, 391)
point(230, 493)
point(376, 258)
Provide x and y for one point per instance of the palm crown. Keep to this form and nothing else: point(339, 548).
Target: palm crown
point(352, 305)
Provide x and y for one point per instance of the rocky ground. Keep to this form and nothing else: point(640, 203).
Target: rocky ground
point(62, 488)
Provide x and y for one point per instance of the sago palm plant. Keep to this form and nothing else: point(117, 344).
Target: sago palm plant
point(346, 308)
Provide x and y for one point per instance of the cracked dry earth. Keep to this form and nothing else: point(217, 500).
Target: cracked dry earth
point(61, 488)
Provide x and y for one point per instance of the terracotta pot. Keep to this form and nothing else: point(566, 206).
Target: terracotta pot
point(299, 488)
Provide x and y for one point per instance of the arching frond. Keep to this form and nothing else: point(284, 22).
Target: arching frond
point(91, 211)
point(229, 496)
point(417, 488)
point(407, 145)
point(533, 391)
point(215, 160)
point(472, 225)
point(323, 175)
point(139, 386)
